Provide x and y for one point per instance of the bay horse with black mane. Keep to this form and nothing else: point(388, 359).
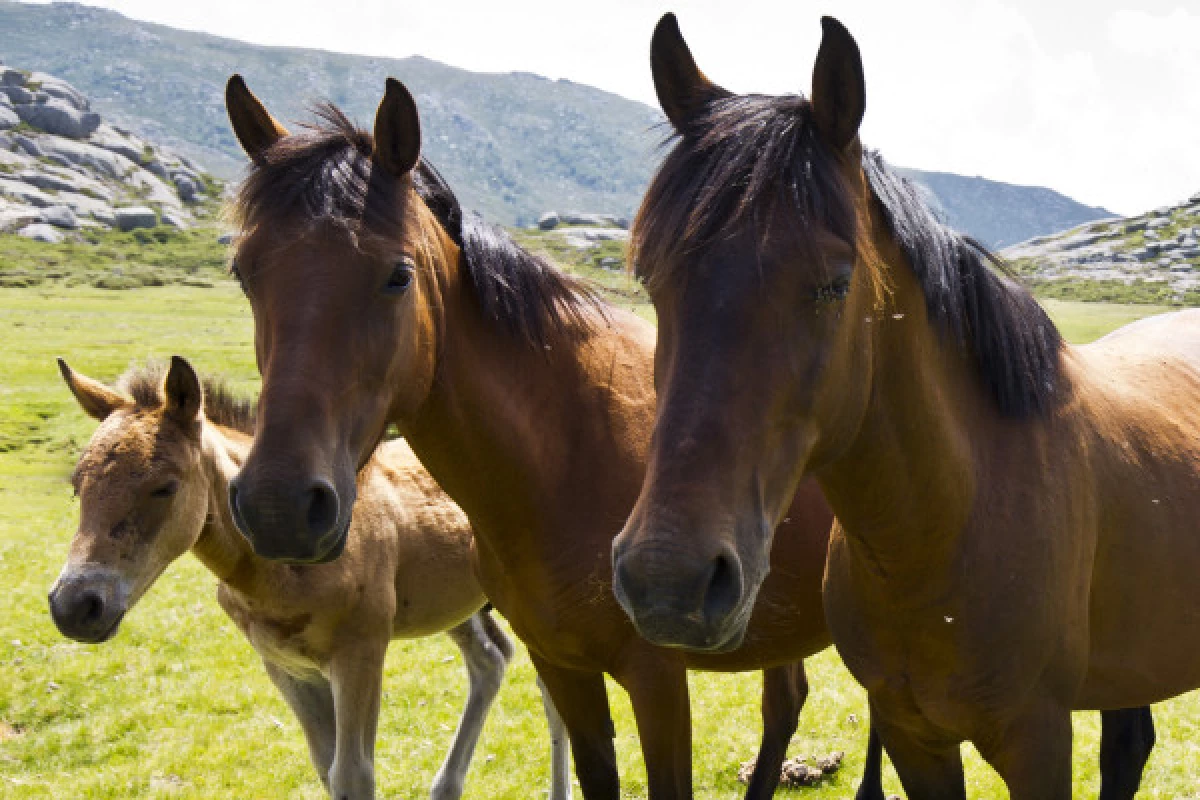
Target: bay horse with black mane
point(1017, 518)
point(153, 484)
point(377, 300)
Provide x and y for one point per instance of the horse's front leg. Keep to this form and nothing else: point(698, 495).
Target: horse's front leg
point(1126, 739)
point(658, 692)
point(311, 700)
point(356, 675)
point(486, 662)
point(929, 765)
point(560, 748)
point(582, 700)
point(1032, 752)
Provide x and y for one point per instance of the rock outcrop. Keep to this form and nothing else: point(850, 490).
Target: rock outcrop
point(63, 168)
point(1162, 245)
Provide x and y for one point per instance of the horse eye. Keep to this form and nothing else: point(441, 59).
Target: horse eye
point(835, 291)
point(401, 277)
point(166, 490)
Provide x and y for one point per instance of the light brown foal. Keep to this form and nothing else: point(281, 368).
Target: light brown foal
point(153, 483)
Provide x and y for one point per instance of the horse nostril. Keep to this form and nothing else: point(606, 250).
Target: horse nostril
point(322, 515)
point(724, 592)
point(91, 607)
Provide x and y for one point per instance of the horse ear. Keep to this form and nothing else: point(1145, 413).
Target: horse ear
point(682, 89)
point(96, 399)
point(181, 388)
point(253, 125)
point(397, 130)
point(839, 91)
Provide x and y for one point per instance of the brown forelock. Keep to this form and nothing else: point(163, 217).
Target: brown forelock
point(746, 158)
point(324, 172)
point(759, 160)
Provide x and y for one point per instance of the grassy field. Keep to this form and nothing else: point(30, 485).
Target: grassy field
point(177, 705)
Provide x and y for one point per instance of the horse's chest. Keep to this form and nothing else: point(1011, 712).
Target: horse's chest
point(289, 641)
point(571, 622)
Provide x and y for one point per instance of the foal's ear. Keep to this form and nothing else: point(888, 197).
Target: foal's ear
point(839, 91)
point(181, 388)
point(682, 89)
point(253, 125)
point(96, 399)
point(397, 130)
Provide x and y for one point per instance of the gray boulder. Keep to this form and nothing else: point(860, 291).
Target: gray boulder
point(8, 118)
point(225, 238)
point(548, 221)
point(60, 217)
point(11, 77)
point(134, 217)
point(175, 219)
point(88, 156)
point(27, 144)
point(4, 101)
point(151, 189)
point(56, 117)
point(14, 217)
point(17, 95)
point(186, 187)
point(108, 137)
point(24, 193)
point(41, 232)
point(47, 180)
point(57, 87)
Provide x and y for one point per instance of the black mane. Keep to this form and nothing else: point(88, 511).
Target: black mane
point(760, 159)
point(325, 172)
point(222, 406)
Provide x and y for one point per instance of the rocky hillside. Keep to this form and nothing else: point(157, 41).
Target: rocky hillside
point(511, 144)
point(62, 167)
point(1161, 247)
point(1001, 214)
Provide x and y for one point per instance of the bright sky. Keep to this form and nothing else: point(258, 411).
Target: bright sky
point(1099, 99)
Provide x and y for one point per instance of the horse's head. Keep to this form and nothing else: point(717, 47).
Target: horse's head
point(751, 241)
point(143, 495)
point(340, 258)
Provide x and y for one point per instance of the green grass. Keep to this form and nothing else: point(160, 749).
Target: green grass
point(115, 260)
point(177, 705)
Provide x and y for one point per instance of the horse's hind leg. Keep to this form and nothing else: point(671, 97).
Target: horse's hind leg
point(311, 701)
point(1126, 739)
point(783, 694)
point(560, 748)
point(486, 659)
point(871, 786)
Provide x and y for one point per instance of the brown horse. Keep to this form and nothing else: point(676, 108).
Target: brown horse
point(153, 484)
point(1017, 518)
point(377, 300)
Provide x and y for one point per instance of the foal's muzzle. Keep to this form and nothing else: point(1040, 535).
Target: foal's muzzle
point(88, 604)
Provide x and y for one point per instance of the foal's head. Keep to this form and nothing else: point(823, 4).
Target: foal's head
point(771, 246)
point(343, 244)
point(142, 490)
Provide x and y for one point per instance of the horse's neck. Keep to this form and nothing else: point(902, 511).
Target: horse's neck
point(220, 547)
point(906, 483)
point(510, 432)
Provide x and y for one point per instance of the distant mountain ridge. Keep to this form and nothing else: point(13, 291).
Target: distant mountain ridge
point(513, 145)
